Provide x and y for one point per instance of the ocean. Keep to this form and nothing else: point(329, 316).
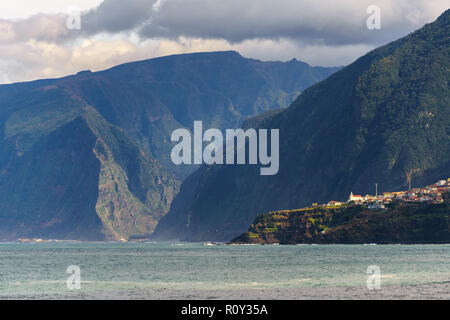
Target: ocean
point(198, 271)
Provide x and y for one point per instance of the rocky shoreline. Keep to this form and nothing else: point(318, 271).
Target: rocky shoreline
point(355, 224)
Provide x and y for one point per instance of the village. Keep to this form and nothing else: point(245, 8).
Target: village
point(429, 194)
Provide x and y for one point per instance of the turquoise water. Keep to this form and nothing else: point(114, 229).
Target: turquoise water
point(37, 269)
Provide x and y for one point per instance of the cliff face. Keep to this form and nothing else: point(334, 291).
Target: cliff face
point(84, 180)
point(150, 99)
point(383, 119)
point(88, 156)
point(352, 225)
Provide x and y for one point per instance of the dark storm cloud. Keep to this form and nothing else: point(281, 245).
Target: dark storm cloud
point(326, 22)
point(117, 15)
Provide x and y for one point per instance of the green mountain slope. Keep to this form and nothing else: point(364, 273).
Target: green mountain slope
point(85, 179)
point(88, 156)
point(150, 99)
point(383, 119)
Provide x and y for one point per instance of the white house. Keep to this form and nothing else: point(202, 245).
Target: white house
point(356, 198)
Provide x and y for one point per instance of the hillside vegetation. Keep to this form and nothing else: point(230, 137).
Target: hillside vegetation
point(87, 157)
point(383, 119)
point(355, 224)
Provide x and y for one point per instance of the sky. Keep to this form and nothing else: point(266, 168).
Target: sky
point(53, 38)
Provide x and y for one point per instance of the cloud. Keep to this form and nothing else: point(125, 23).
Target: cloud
point(39, 59)
point(326, 32)
point(118, 15)
point(21, 9)
point(42, 27)
point(328, 22)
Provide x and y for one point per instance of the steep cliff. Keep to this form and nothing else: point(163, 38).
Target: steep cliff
point(383, 119)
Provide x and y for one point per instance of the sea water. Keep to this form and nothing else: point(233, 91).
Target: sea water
point(152, 270)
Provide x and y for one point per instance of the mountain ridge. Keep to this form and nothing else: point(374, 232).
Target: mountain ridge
point(383, 119)
point(220, 88)
point(116, 180)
